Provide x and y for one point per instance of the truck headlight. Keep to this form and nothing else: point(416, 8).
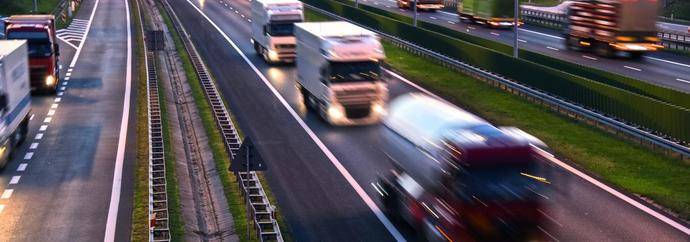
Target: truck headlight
point(272, 55)
point(50, 80)
point(378, 108)
point(334, 113)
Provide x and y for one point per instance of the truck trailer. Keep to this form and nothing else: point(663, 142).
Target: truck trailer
point(39, 31)
point(430, 5)
point(339, 72)
point(492, 13)
point(458, 178)
point(15, 97)
point(273, 28)
point(611, 26)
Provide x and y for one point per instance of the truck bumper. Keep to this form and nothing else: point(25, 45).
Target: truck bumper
point(351, 115)
point(636, 47)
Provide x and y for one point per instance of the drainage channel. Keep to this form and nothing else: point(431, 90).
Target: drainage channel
point(263, 212)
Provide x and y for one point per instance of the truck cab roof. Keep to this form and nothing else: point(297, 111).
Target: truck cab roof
point(341, 41)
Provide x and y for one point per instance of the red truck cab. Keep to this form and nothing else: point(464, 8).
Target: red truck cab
point(39, 31)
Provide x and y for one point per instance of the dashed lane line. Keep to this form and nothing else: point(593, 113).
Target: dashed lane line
point(7, 194)
point(682, 80)
point(522, 40)
point(552, 48)
point(589, 57)
point(58, 99)
point(51, 112)
point(43, 127)
point(47, 120)
point(33, 146)
point(28, 155)
point(15, 180)
point(39, 136)
point(22, 167)
point(633, 68)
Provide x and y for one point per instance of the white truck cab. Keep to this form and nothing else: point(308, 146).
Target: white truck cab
point(15, 97)
point(339, 72)
point(272, 28)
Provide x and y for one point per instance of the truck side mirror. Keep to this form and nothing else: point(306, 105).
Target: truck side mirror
point(3, 102)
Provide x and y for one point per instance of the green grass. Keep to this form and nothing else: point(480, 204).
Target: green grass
point(140, 212)
point(542, 2)
point(624, 164)
point(10, 7)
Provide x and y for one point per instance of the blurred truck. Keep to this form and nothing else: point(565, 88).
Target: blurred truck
point(431, 5)
point(39, 31)
point(611, 26)
point(15, 97)
point(273, 28)
point(339, 72)
point(457, 177)
point(492, 13)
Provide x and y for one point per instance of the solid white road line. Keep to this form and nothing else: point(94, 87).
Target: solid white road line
point(88, 29)
point(682, 80)
point(348, 177)
point(39, 136)
point(28, 155)
point(633, 68)
point(22, 167)
point(33, 146)
point(542, 34)
point(668, 61)
point(15, 180)
point(582, 175)
point(111, 224)
point(7, 194)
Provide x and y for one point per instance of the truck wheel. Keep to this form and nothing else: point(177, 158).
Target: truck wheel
point(306, 98)
point(264, 54)
point(257, 50)
point(603, 49)
point(572, 43)
point(636, 55)
point(23, 131)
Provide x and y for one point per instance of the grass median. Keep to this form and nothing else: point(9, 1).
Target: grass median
point(624, 164)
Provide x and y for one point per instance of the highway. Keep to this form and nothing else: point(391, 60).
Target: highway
point(322, 176)
point(661, 68)
point(65, 183)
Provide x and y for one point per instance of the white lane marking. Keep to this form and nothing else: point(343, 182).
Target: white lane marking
point(615, 193)
point(68, 74)
point(542, 34)
point(47, 120)
point(2, 207)
point(66, 78)
point(589, 57)
point(451, 22)
point(57, 99)
point(249, 20)
point(43, 127)
point(582, 175)
point(7, 194)
point(64, 83)
point(60, 93)
point(242, 15)
point(377, 189)
point(67, 42)
point(15, 180)
point(111, 224)
point(33, 146)
point(22, 167)
point(682, 80)
point(451, 14)
point(472, 28)
point(31, 117)
point(70, 69)
point(432, 17)
point(39, 136)
point(54, 106)
point(550, 218)
point(28, 155)
point(633, 68)
point(552, 48)
point(88, 30)
point(547, 233)
point(496, 34)
point(376, 3)
point(668, 61)
point(237, 12)
point(521, 40)
point(62, 88)
point(348, 177)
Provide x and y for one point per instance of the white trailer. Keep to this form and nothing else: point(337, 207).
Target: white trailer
point(272, 28)
point(339, 72)
point(15, 97)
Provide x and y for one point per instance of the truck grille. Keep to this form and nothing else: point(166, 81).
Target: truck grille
point(37, 76)
point(358, 96)
point(285, 46)
point(357, 111)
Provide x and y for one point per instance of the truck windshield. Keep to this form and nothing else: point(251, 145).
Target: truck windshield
point(359, 71)
point(39, 44)
point(281, 29)
point(497, 184)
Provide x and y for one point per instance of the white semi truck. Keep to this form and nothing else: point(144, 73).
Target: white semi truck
point(272, 28)
point(339, 72)
point(15, 97)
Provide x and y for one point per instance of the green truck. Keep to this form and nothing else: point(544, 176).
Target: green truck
point(492, 13)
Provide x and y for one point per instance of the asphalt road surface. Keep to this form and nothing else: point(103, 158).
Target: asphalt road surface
point(328, 198)
point(65, 182)
point(663, 68)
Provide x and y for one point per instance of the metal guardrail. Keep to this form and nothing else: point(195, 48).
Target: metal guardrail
point(670, 39)
point(573, 110)
point(263, 212)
